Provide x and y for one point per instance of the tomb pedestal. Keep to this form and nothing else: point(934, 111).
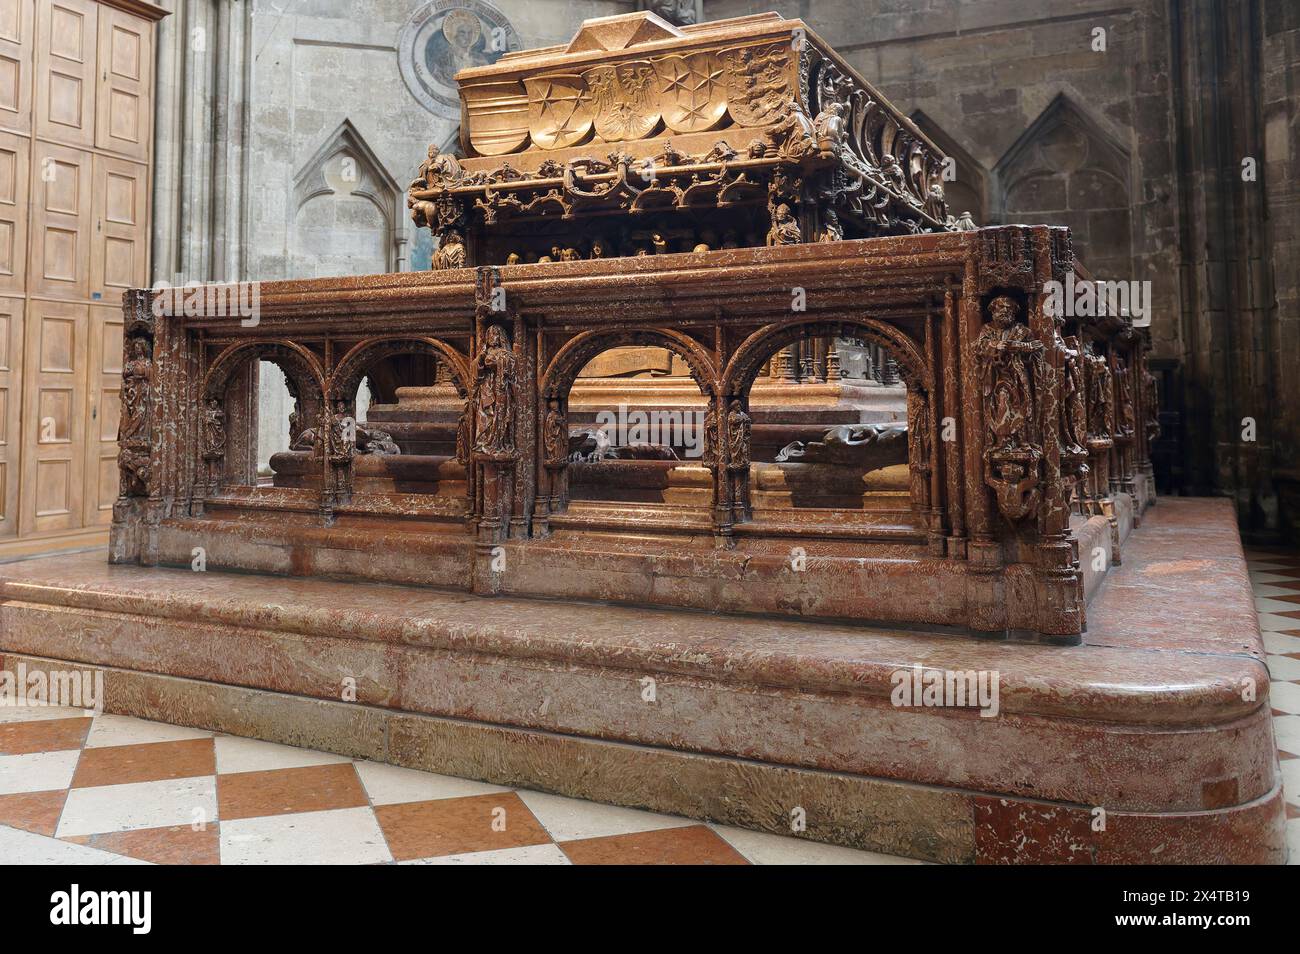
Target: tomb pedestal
point(1150, 741)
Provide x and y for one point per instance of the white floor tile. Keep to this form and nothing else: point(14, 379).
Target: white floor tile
point(1286, 730)
point(1278, 643)
point(37, 771)
point(1268, 604)
point(568, 819)
point(1273, 623)
point(1293, 841)
point(763, 848)
point(28, 848)
point(125, 730)
point(180, 801)
point(1272, 591)
point(1291, 781)
point(390, 784)
point(528, 855)
point(41, 713)
point(343, 836)
point(253, 755)
point(1284, 668)
point(1284, 696)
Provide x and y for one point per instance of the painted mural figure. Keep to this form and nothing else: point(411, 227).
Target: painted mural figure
point(496, 373)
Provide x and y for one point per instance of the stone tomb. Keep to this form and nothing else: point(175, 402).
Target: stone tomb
point(976, 537)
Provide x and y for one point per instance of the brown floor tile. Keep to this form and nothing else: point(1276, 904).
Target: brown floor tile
point(316, 788)
point(151, 762)
point(43, 735)
point(178, 845)
point(452, 826)
point(1292, 811)
point(1285, 599)
point(693, 845)
point(1289, 614)
point(33, 811)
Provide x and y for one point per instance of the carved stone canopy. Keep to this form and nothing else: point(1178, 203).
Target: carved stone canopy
point(654, 134)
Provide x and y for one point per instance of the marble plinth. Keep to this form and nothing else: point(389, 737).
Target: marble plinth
point(1157, 725)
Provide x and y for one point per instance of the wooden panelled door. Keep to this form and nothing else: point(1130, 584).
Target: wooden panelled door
point(76, 122)
point(54, 432)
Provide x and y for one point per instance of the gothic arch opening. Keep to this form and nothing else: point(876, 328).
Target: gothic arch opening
point(850, 464)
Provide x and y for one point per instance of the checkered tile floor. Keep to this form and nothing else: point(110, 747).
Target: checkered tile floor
point(82, 789)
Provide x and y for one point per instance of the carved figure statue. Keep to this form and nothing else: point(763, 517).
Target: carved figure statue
point(451, 253)
point(739, 427)
point(1124, 405)
point(1074, 412)
point(135, 391)
point(555, 438)
point(214, 429)
point(710, 456)
point(1011, 367)
point(830, 129)
point(785, 229)
point(1009, 357)
point(496, 379)
point(1151, 402)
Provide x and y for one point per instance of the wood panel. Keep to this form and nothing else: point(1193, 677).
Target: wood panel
point(15, 163)
point(54, 431)
point(103, 409)
point(59, 263)
point(16, 45)
point(119, 245)
point(67, 40)
point(11, 405)
point(124, 101)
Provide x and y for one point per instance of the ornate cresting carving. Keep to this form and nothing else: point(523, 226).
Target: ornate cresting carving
point(1011, 372)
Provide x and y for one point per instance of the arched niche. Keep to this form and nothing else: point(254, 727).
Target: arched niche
point(1067, 169)
point(349, 213)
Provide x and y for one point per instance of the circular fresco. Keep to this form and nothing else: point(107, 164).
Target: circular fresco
point(444, 37)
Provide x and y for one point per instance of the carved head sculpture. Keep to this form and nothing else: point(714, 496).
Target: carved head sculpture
point(453, 238)
point(1003, 310)
point(512, 258)
point(598, 247)
point(496, 337)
